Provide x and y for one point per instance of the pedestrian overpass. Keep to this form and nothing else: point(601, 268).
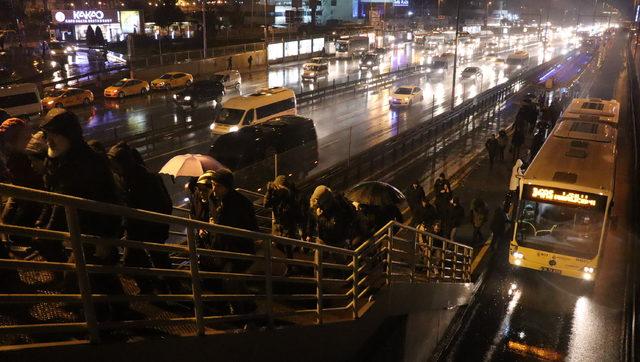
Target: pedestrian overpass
point(340, 304)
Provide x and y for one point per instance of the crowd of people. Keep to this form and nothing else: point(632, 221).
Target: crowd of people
point(57, 158)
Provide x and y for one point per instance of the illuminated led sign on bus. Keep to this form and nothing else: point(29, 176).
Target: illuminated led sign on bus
point(567, 197)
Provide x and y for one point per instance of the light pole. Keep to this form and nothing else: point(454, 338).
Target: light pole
point(486, 13)
point(455, 56)
point(204, 29)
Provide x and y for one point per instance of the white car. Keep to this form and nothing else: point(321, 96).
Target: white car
point(405, 96)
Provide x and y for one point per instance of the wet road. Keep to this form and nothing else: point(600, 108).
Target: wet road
point(528, 315)
point(346, 125)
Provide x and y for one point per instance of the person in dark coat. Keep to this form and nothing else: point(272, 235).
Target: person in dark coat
point(517, 140)
point(229, 208)
point(229, 63)
point(145, 191)
point(493, 148)
point(503, 141)
point(14, 137)
point(536, 144)
point(74, 169)
point(281, 198)
point(333, 219)
point(456, 217)
point(498, 227)
point(415, 194)
point(442, 190)
point(478, 217)
point(427, 214)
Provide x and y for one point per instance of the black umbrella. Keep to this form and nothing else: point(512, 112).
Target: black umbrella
point(375, 193)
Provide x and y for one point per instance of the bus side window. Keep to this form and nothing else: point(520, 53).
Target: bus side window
point(249, 117)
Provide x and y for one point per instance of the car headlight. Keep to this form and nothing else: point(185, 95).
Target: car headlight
point(213, 125)
point(440, 71)
point(428, 70)
point(406, 99)
point(68, 49)
point(50, 102)
point(175, 96)
point(53, 52)
point(368, 63)
point(587, 276)
point(519, 67)
point(187, 98)
point(588, 269)
point(234, 129)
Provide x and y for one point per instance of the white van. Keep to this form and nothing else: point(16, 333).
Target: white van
point(255, 108)
point(20, 99)
point(313, 71)
point(228, 78)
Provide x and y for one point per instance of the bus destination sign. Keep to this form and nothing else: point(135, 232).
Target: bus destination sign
point(567, 197)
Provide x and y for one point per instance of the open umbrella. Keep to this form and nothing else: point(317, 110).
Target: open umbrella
point(191, 165)
point(375, 193)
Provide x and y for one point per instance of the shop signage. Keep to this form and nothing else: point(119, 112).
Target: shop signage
point(85, 16)
point(401, 3)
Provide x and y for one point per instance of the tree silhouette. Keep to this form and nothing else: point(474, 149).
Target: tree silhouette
point(167, 14)
point(91, 36)
point(99, 36)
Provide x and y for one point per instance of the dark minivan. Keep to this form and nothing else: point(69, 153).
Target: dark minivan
point(250, 151)
point(200, 92)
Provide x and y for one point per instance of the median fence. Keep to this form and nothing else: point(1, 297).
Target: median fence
point(329, 283)
point(346, 159)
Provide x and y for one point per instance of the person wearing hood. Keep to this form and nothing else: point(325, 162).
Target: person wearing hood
point(415, 194)
point(74, 169)
point(514, 184)
point(282, 199)
point(332, 219)
point(145, 191)
point(14, 138)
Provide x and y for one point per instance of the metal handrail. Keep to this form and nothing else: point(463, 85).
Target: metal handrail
point(341, 276)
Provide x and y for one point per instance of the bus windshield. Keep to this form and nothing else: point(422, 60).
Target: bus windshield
point(568, 230)
point(230, 116)
point(342, 46)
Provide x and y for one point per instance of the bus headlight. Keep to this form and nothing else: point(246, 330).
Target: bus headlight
point(187, 98)
point(588, 270)
point(587, 276)
point(212, 127)
point(518, 255)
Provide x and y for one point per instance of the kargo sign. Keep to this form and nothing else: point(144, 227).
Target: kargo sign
point(85, 16)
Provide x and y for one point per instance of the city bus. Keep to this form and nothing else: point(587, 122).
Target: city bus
point(351, 47)
point(594, 109)
point(565, 201)
point(255, 108)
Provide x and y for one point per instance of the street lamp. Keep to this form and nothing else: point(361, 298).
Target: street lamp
point(455, 56)
point(486, 13)
point(204, 29)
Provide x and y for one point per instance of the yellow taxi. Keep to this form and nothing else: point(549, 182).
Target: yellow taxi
point(66, 97)
point(126, 87)
point(172, 80)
